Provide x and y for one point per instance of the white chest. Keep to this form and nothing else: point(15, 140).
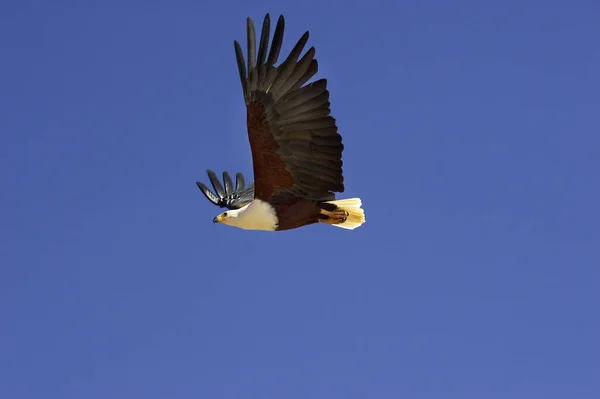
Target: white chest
point(258, 215)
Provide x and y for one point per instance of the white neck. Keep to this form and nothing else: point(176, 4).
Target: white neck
point(258, 215)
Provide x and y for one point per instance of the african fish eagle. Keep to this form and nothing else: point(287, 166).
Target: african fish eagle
point(296, 147)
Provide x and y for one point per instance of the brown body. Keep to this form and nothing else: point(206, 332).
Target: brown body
point(296, 212)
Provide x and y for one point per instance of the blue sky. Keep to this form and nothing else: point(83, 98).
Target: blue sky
point(471, 134)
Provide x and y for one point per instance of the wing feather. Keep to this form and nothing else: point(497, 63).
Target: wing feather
point(228, 197)
point(229, 190)
point(296, 147)
point(240, 182)
point(216, 183)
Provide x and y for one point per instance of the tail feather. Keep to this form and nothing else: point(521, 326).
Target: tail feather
point(344, 213)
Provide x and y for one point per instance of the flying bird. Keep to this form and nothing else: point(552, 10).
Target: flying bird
point(296, 147)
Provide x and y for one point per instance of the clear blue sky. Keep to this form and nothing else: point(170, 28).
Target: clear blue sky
point(472, 134)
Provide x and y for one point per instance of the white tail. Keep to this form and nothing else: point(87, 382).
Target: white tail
point(352, 217)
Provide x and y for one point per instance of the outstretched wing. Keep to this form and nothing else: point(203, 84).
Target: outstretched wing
point(296, 148)
point(228, 197)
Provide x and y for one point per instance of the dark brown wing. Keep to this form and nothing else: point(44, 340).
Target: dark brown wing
point(228, 197)
point(296, 148)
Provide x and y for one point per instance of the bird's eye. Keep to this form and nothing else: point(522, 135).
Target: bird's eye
point(225, 214)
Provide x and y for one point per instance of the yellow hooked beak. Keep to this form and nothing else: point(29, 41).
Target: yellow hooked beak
point(220, 218)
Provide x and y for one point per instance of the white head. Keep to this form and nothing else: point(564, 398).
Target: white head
point(257, 215)
point(230, 217)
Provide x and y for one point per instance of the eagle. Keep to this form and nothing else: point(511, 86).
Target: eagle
point(295, 144)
